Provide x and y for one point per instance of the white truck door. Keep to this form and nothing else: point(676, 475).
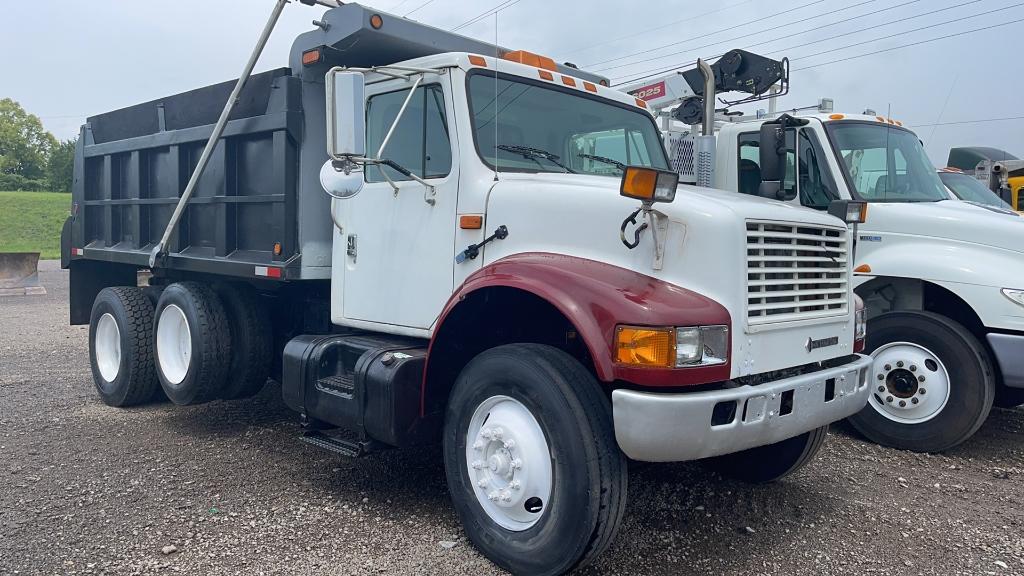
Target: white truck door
point(397, 248)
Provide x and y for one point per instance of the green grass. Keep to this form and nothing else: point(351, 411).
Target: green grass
point(31, 222)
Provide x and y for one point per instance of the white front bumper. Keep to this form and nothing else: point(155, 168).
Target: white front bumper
point(656, 427)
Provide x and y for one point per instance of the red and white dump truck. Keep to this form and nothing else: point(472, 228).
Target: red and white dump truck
point(428, 239)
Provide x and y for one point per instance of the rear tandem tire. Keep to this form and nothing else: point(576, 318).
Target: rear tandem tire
point(251, 341)
point(533, 414)
point(121, 326)
point(192, 343)
point(772, 462)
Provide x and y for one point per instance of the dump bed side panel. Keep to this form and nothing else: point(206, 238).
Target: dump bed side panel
point(134, 164)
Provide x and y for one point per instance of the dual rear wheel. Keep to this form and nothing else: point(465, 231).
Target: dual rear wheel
point(193, 342)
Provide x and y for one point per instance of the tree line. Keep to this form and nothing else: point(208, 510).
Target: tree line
point(30, 157)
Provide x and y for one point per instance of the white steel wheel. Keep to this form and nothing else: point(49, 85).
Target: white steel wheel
point(107, 347)
point(911, 384)
point(173, 344)
point(509, 462)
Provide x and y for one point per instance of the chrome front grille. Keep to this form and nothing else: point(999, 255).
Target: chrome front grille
point(795, 271)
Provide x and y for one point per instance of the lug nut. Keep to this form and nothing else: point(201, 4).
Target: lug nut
point(493, 496)
point(920, 378)
point(486, 433)
point(482, 483)
point(478, 464)
point(515, 484)
point(921, 391)
point(913, 368)
point(881, 376)
point(899, 364)
point(888, 367)
point(478, 445)
point(914, 400)
point(506, 496)
point(903, 404)
point(517, 464)
point(510, 444)
point(881, 388)
point(888, 399)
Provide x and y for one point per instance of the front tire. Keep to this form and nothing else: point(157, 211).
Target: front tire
point(193, 344)
point(534, 471)
point(772, 462)
point(933, 383)
point(121, 346)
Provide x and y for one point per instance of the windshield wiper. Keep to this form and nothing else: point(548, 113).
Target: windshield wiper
point(606, 160)
point(534, 153)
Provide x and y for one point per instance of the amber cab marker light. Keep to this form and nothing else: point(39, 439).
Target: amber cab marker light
point(477, 60)
point(531, 59)
point(376, 21)
point(589, 87)
point(471, 222)
point(836, 116)
point(863, 269)
point(648, 184)
point(545, 75)
point(568, 81)
point(641, 346)
point(311, 57)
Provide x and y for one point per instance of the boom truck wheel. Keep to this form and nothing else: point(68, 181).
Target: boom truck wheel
point(933, 382)
point(534, 471)
point(772, 462)
point(192, 343)
point(121, 346)
point(251, 341)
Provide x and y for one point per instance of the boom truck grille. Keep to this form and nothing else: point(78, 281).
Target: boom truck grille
point(795, 271)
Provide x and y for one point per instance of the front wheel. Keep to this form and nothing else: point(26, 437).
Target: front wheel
point(531, 460)
point(772, 462)
point(933, 383)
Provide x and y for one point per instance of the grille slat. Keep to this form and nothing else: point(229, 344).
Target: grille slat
point(795, 272)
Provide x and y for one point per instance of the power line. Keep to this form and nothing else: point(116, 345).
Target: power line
point(918, 43)
point(418, 7)
point(959, 122)
point(656, 48)
point(490, 11)
point(764, 31)
point(649, 30)
point(648, 73)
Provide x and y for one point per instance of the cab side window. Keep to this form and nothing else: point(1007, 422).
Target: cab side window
point(749, 163)
point(420, 144)
point(816, 187)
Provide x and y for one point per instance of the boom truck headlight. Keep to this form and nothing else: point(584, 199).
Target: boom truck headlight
point(860, 323)
point(681, 347)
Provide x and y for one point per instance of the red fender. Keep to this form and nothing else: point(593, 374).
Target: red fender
point(596, 297)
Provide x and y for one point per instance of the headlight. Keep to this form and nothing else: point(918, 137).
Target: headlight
point(702, 346)
point(1016, 296)
point(672, 347)
point(860, 319)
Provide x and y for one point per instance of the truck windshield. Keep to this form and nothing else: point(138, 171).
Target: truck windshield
point(883, 163)
point(524, 126)
point(970, 189)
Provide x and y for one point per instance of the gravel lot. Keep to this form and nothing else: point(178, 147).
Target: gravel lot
point(87, 489)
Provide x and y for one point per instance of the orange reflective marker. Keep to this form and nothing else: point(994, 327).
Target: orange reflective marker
point(477, 60)
point(471, 222)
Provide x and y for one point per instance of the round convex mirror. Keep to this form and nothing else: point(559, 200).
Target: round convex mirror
point(339, 184)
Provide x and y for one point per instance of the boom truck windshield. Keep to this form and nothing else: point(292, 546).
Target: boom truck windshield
point(941, 278)
point(427, 239)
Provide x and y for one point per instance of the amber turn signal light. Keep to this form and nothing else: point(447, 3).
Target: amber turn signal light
point(649, 184)
point(641, 346)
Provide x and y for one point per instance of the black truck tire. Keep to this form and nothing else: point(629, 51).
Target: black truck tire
point(251, 341)
point(915, 353)
point(121, 346)
point(558, 420)
point(192, 343)
point(772, 462)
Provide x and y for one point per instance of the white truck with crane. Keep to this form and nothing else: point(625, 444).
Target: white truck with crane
point(422, 238)
point(941, 278)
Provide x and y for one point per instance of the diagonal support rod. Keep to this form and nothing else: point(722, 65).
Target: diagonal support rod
point(160, 250)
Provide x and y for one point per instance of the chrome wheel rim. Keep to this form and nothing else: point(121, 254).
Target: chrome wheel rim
point(107, 347)
point(509, 463)
point(910, 383)
point(173, 344)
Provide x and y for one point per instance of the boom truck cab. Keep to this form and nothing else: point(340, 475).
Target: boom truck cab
point(429, 239)
point(940, 277)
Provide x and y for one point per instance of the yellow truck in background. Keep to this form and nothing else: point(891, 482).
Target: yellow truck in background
point(1001, 171)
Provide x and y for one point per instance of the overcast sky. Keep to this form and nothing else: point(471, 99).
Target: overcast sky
point(65, 60)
